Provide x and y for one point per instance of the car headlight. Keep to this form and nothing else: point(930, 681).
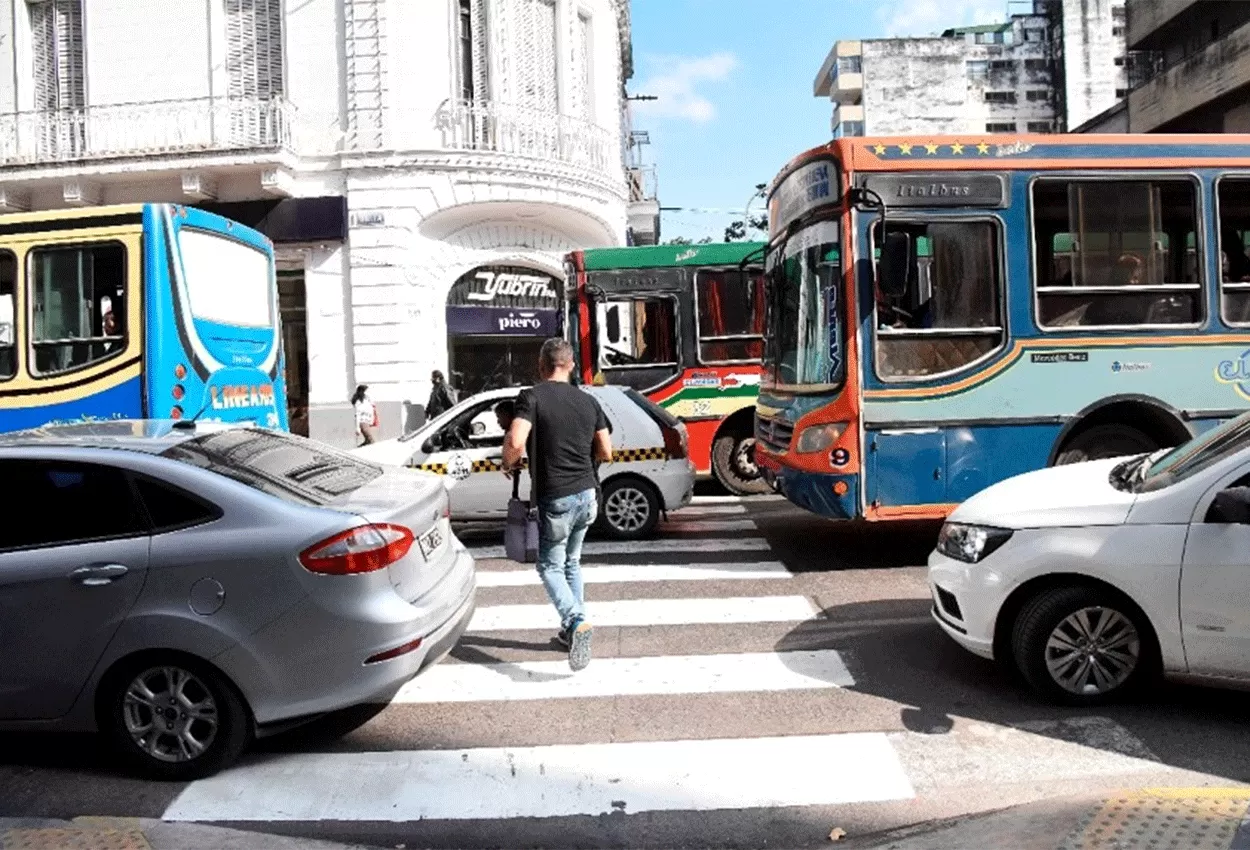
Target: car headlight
point(970, 543)
point(817, 438)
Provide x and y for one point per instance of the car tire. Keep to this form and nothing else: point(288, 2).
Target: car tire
point(1104, 441)
point(733, 464)
point(1052, 632)
point(630, 509)
point(210, 715)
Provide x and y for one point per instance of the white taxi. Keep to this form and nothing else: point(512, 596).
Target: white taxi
point(650, 472)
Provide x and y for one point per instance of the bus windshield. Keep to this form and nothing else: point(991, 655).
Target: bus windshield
point(228, 282)
point(804, 343)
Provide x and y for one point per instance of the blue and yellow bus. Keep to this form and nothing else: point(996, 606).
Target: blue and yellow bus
point(153, 310)
point(946, 312)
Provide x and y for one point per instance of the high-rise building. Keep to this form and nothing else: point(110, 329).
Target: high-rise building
point(1194, 74)
point(422, 167)
point(1050, 63)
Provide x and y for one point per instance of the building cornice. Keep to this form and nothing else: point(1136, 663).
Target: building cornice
point(610, 185)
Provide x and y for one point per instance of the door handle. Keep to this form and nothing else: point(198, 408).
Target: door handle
point(98, 575)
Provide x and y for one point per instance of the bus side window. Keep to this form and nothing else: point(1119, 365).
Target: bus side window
point(79, 303)
point(8, 315)
point(1116, 253)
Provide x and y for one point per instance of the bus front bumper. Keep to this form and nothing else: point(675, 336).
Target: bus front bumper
point(832, 496)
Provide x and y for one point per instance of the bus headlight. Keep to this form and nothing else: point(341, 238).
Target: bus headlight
point(970, 543)
point(817, 438)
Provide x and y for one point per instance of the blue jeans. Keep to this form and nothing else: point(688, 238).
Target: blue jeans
point(562, 526)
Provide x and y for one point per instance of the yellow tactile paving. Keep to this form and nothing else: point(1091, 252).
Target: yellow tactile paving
point(1164, 819)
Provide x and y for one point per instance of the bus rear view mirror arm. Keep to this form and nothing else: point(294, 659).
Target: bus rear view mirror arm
point(894, 267)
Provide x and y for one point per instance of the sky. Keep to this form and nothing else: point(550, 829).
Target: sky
point(734, 82)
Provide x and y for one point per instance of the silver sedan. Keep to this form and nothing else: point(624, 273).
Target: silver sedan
point(184, 588)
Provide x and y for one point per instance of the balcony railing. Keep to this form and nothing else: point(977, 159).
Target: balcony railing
point(501, 128)
point(146, 129)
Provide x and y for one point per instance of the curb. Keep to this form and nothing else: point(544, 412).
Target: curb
point(104, 833)
point(1187, 818)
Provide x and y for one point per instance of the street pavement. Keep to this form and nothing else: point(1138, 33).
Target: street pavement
point(761, 678)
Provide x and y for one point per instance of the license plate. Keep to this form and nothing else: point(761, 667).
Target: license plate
point(430, 541)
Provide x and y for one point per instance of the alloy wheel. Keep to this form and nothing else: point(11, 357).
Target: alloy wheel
point(627, 509)
point(1093, 651)
point(170, 714)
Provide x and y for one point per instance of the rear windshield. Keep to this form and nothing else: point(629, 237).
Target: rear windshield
point(283, 465)
point(659, 414)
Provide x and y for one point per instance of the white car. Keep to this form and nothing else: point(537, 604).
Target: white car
point(650, 473)
point(1092, 578)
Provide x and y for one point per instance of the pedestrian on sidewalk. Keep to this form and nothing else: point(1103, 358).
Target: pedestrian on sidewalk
point(566, 432)
point(366, 413)
point(441, 399)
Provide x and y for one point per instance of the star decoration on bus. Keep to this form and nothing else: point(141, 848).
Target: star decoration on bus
point(879, 150)
point(957, 148)
point(905, 149)
point(983, 148)
point(931, 149)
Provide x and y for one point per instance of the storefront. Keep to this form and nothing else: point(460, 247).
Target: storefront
point(497, 319)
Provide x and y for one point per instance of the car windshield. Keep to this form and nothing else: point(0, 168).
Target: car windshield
point(1198, 454)
point(283, 465)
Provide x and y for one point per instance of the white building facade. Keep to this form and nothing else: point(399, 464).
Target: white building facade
point(1040, 71)
point(422, 165)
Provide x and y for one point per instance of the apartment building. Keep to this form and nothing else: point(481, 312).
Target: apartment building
point(1197, 77)
point(422, 167)
point(1050, 63)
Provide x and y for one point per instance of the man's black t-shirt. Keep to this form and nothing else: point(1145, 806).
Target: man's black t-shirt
point(565, 420)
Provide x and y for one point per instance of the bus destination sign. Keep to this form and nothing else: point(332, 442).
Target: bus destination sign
point(804, 189)
point(938, 190)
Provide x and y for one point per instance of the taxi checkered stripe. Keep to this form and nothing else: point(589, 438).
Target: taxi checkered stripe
point(618, 456)
point(631, 455)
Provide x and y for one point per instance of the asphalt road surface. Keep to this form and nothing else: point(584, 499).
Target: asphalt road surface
point(760, 677)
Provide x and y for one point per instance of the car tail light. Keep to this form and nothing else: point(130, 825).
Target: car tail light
point(675, 444)
point(358, 550)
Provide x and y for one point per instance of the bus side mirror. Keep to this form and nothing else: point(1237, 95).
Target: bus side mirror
point(898, 255)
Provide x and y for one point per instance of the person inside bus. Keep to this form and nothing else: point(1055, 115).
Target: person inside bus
point(1235, 263)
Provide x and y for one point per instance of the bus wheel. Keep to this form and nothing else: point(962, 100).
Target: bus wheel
point(1104, 441)
point(733, 463)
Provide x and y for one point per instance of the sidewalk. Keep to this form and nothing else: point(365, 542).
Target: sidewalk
point(1148, 818)
point(87, 833)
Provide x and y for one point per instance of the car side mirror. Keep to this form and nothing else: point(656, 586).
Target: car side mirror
point(429, 446)
point(479, 428)
point(898, 255)
point(1231, 506)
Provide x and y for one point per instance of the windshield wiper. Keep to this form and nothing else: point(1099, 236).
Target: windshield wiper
point(1143, 466)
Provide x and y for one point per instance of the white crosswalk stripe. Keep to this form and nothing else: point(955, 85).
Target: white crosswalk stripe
point(645, 573)
point(553, 781)
point(667, 545)
point(688, 674)
point(651, 612)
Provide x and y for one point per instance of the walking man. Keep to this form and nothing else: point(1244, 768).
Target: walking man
point(566, 432)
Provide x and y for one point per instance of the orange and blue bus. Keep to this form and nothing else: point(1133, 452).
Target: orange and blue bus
point(157, 311)
point(949, 311)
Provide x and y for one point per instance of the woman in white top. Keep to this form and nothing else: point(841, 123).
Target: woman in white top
point(366, 416)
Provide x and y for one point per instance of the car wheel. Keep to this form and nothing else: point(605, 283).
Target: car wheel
point(630, 509)
point(1104, 441)
point(733, 464)
point(174, 718)
point(1082, 645)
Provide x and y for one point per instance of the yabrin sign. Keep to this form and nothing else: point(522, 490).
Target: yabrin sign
point(504, 301)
